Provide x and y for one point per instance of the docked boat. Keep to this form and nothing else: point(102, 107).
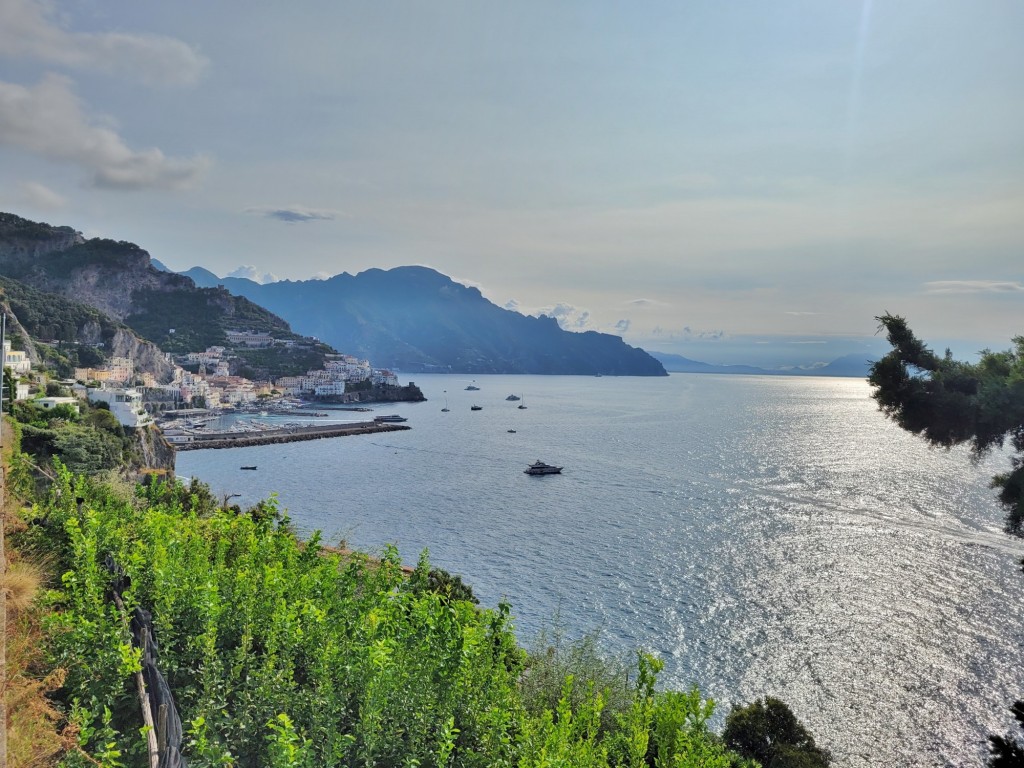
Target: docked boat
point(476, 408)
point(513, 398)
point(394, 418)
point(540, 468)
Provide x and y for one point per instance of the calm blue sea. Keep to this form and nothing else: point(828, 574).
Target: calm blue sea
point(764, 535)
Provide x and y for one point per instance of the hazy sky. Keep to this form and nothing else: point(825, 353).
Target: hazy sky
point(711, 178)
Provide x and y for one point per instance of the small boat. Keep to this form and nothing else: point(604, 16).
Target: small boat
point(394, 418)
point(522, 406)
point(540, 468)
point(511, 431)
point(476, 408)
point(445, 409)
point(249, 467)
point(472, 388)
point(513, 398)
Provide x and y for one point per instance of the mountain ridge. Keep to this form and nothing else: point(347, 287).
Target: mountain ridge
point(414, 318)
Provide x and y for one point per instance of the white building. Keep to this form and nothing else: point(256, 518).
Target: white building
point(125, 404)
point(46, 403)
point(16, 359)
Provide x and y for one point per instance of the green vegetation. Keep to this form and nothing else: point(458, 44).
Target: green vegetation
point(76, 327)
point(948, 402)
point(280, 653)
point(769, 732)
point(88, 443)
point(274, 362)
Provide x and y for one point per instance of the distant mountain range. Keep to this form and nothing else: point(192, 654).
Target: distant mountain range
point(409, 318)
point(855, 366)
point(416, 319)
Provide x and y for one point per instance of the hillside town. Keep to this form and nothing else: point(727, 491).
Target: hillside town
point(200, 380)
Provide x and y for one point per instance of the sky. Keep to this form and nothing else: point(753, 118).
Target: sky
point(736, 182)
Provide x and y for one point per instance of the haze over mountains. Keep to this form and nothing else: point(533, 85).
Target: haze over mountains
point(409, 318)
point(416, 319)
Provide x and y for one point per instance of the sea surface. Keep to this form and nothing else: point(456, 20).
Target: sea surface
point(763, 535)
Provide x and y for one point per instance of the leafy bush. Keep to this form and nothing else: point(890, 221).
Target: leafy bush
point(280, 653)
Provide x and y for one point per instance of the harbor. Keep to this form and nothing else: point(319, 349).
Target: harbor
point(198, 429)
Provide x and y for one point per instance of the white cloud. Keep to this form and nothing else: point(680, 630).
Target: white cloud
point(567, 316)
point(40, 196)
point(646, 303)
point(48, 120)
point(294, 214)
point(28, 28)
point(973, 286)
point(249, 272)
point(622, 326)
point(701, 334)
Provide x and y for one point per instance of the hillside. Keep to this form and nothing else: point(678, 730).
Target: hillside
point(66, 334)
point(416, 319)
point(118, 279)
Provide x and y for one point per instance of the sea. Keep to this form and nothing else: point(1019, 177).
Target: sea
point(762, 535)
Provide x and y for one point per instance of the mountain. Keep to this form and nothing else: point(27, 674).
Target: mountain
point(854, 366)
point(416, 319)
point(66, 334)
point(118, 279)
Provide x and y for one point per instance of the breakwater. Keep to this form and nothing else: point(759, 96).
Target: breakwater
point(290, 434)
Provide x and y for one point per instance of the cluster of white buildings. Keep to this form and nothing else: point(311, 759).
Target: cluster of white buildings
point(330, 381)
point(212, 385)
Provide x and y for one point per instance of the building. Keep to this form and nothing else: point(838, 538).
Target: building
point(125, 404)
point(16, 359)
point(250, 338)
point(47, 403)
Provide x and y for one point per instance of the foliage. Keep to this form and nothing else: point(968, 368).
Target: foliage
point(87, 444)
point(273, 362)
point(768, 731)
point(200, 318)
point(949, 402)
point(553, 658)
point(280, 653)
point(1006, 751)
point(49, 316)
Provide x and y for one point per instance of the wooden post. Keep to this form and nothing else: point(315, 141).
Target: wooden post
point(140, 685)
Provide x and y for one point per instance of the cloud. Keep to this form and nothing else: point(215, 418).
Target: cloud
point(647, 303)
point(48, 121)
point(28, 29)
point(249, 272)
point(702, 335)
point(623, 326)
point(973, 286)
point(294, 214)
point(567, 316)
point(40, 196)
point(512, 305)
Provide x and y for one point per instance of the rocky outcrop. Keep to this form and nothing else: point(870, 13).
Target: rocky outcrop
point(146, 356)
point(154, 451)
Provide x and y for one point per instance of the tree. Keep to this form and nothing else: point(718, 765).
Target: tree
point(768, 731)
point(948, 402)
